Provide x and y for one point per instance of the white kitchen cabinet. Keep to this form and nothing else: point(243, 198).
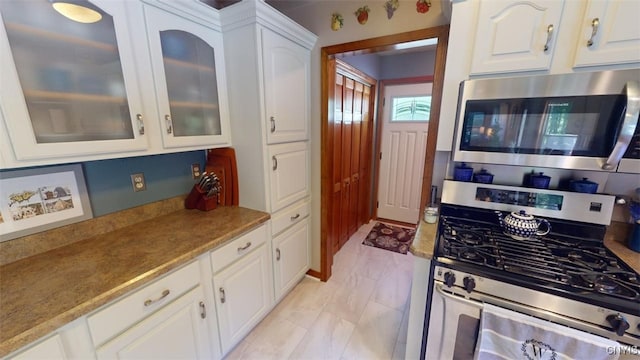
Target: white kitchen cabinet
point(177, 331)
point(289, 174)
point(286, 88)
point(268, 58)
point(553, 36)
point(68, 88)
point(71, 341)
point(189, 76)
point(417, 305)
point(610, 33)
point(243, 289)
point(291, 256)
point(515, 36)
point(148, 78)
point(169, 318)
point(50, 348)
point(268, 72)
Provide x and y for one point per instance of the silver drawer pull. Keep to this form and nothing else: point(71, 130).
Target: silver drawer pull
point(203, 310)
point(273, 124)
point(549, 36)
point(162, 296)
point(245, 247)
point(169, 123)
point(594, 30)
point(223, 296)
point(275, 162)
point(278, 254)
point(295, 217)
point(140, 124)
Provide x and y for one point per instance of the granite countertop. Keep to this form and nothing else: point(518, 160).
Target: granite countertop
point(424, 240)
point(615, 240)
point(46, 291)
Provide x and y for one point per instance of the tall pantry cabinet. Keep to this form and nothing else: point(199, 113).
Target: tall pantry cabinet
point(268, 71)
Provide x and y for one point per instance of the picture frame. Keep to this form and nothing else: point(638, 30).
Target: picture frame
point(39, 199)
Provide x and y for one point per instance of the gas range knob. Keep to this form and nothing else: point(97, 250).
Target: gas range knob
point(618, 323)
point(449, 278)
point(469, 284)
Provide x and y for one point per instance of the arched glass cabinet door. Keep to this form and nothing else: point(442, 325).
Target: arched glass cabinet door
point(68, 87)
point(188, 66)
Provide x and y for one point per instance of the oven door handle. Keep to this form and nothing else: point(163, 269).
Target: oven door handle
point(480, 299)
point(628, 128)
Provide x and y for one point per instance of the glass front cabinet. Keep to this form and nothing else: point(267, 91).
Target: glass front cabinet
point(188, 68)
point(76, 88)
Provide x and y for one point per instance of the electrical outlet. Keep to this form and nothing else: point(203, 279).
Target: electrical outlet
point(195, 171)
point(138, 182)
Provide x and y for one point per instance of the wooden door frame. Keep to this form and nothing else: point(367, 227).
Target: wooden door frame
point(326, 142)
point(431, 137)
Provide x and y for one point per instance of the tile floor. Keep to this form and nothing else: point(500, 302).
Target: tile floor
point(360, 313)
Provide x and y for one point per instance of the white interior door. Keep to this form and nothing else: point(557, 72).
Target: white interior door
point(403, 146)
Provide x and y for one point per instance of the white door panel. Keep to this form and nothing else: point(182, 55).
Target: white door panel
point(402, 162)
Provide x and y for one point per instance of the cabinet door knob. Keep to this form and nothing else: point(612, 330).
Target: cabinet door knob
point(549, 36)
point(595, 23)
point(140, 124)
point(275, 162)
point(203, 310)
point(164, 294)
point(277, 254)
point(167, 120)
point(273, 124)
point(223, 297)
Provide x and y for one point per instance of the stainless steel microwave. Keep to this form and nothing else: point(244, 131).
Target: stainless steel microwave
point(583, 121)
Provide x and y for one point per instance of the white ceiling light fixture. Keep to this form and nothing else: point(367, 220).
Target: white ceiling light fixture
point(76, 11)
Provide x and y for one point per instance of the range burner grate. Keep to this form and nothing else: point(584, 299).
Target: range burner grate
point(579, 264)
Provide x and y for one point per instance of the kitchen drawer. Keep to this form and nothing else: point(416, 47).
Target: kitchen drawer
point(117, 317)
point(289, 216)
point(238, 248)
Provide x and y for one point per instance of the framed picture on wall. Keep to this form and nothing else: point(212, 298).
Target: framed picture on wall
point(35, 200)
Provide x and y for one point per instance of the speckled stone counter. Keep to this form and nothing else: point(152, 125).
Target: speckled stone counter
point(615, 240)
point(40, 293)
point(424, 240)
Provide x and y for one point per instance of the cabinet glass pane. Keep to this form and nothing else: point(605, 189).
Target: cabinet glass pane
point(189, 67)
point(70, 73)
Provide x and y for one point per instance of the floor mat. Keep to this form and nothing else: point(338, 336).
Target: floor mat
point(389, 237)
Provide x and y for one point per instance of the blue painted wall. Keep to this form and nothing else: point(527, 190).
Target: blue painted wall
point(109, 181)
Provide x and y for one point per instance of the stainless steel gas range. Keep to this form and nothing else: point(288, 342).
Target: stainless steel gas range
point(567, 276)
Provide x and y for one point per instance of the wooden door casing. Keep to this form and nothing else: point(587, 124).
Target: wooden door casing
point(336, 173)
point(366, 146)
point(328, 69)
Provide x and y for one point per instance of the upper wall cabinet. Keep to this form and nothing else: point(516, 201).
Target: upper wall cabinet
point(189, 78)
point(68, 87)
point(515, 36)
point(145, 77)
point(542, 35)
point(286, 78)
point(610, 33)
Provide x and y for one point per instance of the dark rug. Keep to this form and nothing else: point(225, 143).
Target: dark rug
point(389, 237)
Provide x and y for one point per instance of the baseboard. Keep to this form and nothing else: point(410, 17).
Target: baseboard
point(315, 274)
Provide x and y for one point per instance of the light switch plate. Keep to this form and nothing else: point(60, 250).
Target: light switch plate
point(138, 182)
